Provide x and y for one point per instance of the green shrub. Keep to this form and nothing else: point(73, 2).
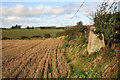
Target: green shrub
point(86, 53)
point(82, 41)
point(36, 36)
point(65, 45)
point(24, 37)
point(107, 21)
point(69, 38)
point(59, 34)
point(83, 74)
point(80, 73)
point(74, 32)
point(47, 35)
point(5, 38)
point(96, 54)
point(93, 56)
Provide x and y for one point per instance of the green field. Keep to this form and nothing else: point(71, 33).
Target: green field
point(17, 33)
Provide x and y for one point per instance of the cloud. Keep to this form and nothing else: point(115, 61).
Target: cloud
point(53, 16)
point(13, 18)
point(20, 20)
point(41, 14)
point(119, 5)
point(85, 10)
point(10, 21)
point(69, 16)
point(22, 11)
point(41, 10)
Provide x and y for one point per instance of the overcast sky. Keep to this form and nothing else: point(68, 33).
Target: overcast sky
point(47, 13)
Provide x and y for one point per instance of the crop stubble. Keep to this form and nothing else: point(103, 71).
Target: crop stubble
point(33, 59)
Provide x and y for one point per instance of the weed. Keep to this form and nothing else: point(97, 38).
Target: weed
point(65, 45)
point(47, 35)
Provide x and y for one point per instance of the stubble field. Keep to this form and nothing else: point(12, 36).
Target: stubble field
point(33, 59)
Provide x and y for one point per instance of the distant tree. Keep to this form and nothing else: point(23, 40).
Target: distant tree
point(79, 23)
point(16, 27)
point(28, 27)
point(13, 27)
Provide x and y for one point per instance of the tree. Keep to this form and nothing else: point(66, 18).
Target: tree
point(106, 20)
point(13, 27)
point(28, 27)
point(79, 23)
point(16, 27)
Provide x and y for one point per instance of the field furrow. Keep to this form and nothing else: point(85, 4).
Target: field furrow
point(20, 61)
point(54, 67)
point(33, 59)
point(16, 55)
point(41, 64)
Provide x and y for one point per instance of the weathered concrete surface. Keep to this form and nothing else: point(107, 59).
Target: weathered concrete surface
point(94, 43)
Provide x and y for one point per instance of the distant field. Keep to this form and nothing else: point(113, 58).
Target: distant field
point(17, 33)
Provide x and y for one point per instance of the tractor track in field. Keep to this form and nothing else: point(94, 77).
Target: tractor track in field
point(33, 59)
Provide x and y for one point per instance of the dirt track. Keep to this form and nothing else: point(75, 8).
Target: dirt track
point(33, 59)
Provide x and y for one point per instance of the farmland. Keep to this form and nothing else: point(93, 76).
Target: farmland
point(33, 59)
point(17, 33)
point(59, 57)
point(50, 53)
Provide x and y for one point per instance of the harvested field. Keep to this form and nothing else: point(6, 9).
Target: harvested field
point(33, 59)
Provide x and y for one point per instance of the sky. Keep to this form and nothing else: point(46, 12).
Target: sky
point(49, 13)
point(119, 6)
